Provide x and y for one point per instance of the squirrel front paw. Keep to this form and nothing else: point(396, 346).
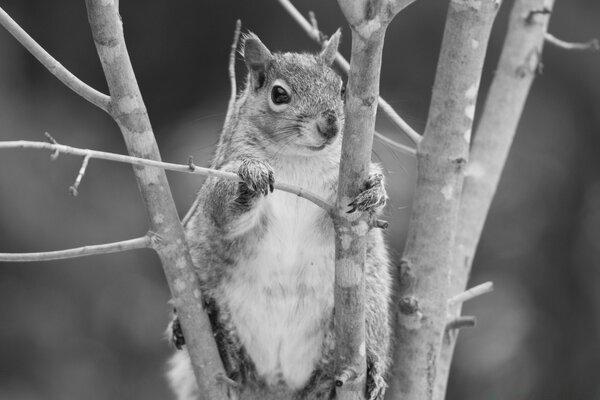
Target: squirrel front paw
point(372, 197)
point(257, 177)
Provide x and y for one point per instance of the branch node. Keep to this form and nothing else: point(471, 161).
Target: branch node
point(532, 13)
point(84, 164)
point(155, 239)
point(381, 224)
point(468, 321)
point(347, 375)
point(408, 305)
point(191, 165)
point(56, 153)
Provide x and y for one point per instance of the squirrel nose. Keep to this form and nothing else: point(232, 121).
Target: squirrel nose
point(327, 124)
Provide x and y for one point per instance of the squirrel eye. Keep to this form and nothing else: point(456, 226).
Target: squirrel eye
point(279, 95)
point(343, 92)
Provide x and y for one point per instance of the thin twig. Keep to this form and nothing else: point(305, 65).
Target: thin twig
point(397, 145)
point(313, 20)
point(233, 95)
point(57, 69)
point(125, 245)
point(591, 45)
point(317, 36)
point(471, 293)
point(84, 164)
point(468, 321)
point(101, 155)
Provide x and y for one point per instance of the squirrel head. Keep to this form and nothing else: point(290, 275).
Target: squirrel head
point(294, 99)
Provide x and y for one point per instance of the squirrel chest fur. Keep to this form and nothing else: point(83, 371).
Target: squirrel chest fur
point(265, 258)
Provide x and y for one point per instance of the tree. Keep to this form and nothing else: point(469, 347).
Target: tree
point(442, 158)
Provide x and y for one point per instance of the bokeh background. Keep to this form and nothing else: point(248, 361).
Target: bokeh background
point(92, 328)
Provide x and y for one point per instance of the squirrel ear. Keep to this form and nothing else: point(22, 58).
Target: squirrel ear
point(330, 48)
point(257, 58)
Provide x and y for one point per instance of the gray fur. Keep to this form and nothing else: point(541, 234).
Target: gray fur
point(234, 219)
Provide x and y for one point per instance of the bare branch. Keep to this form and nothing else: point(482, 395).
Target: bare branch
point(441, 159)
point(186, 168)
point(591, 45)
point(232, 81)
point(98, 99)
point(360, 109)
point(517, 67)
point(129, 112)
point(317, 36)
point(467, 295)
point(132, 244)
point(461, 322)
point(84, 164)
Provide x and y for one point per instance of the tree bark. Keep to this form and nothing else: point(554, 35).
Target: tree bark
point(368, 21)
point(441, 158)
point(517, 67)
point(128, 110)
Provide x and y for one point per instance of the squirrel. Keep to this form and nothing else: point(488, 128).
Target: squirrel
point(265, 259)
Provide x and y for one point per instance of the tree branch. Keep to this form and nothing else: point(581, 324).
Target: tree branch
point(101, 155)
point(350, 230)
point(98, 99)
point(471, 293)
point(591, 45)
point(128, 110)
point(441, 158)
point(457, 323)
point(132, 244)
point(517, 67)
point(318, 37)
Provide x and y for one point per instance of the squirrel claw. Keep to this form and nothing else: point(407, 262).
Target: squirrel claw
point(257, 176)
point(372, 197)
point(177, 337)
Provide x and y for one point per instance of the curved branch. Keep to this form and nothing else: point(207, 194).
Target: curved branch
point(144, 242)
point(95, 97)
point(590, 45)
point(193, 169)
point(318, 37)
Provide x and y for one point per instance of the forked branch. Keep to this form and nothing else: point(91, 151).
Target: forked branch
point(517, 68)
point(343, 64)
point(129, 112)
point(441, 159)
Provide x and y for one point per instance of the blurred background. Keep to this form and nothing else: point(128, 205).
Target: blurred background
point(92, 328)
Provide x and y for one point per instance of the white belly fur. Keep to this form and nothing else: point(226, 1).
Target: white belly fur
point(281, 300)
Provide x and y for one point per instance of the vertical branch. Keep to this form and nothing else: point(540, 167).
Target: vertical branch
point(368, 21)
point(128, 110)
point(441, 157)
point(517, 67)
